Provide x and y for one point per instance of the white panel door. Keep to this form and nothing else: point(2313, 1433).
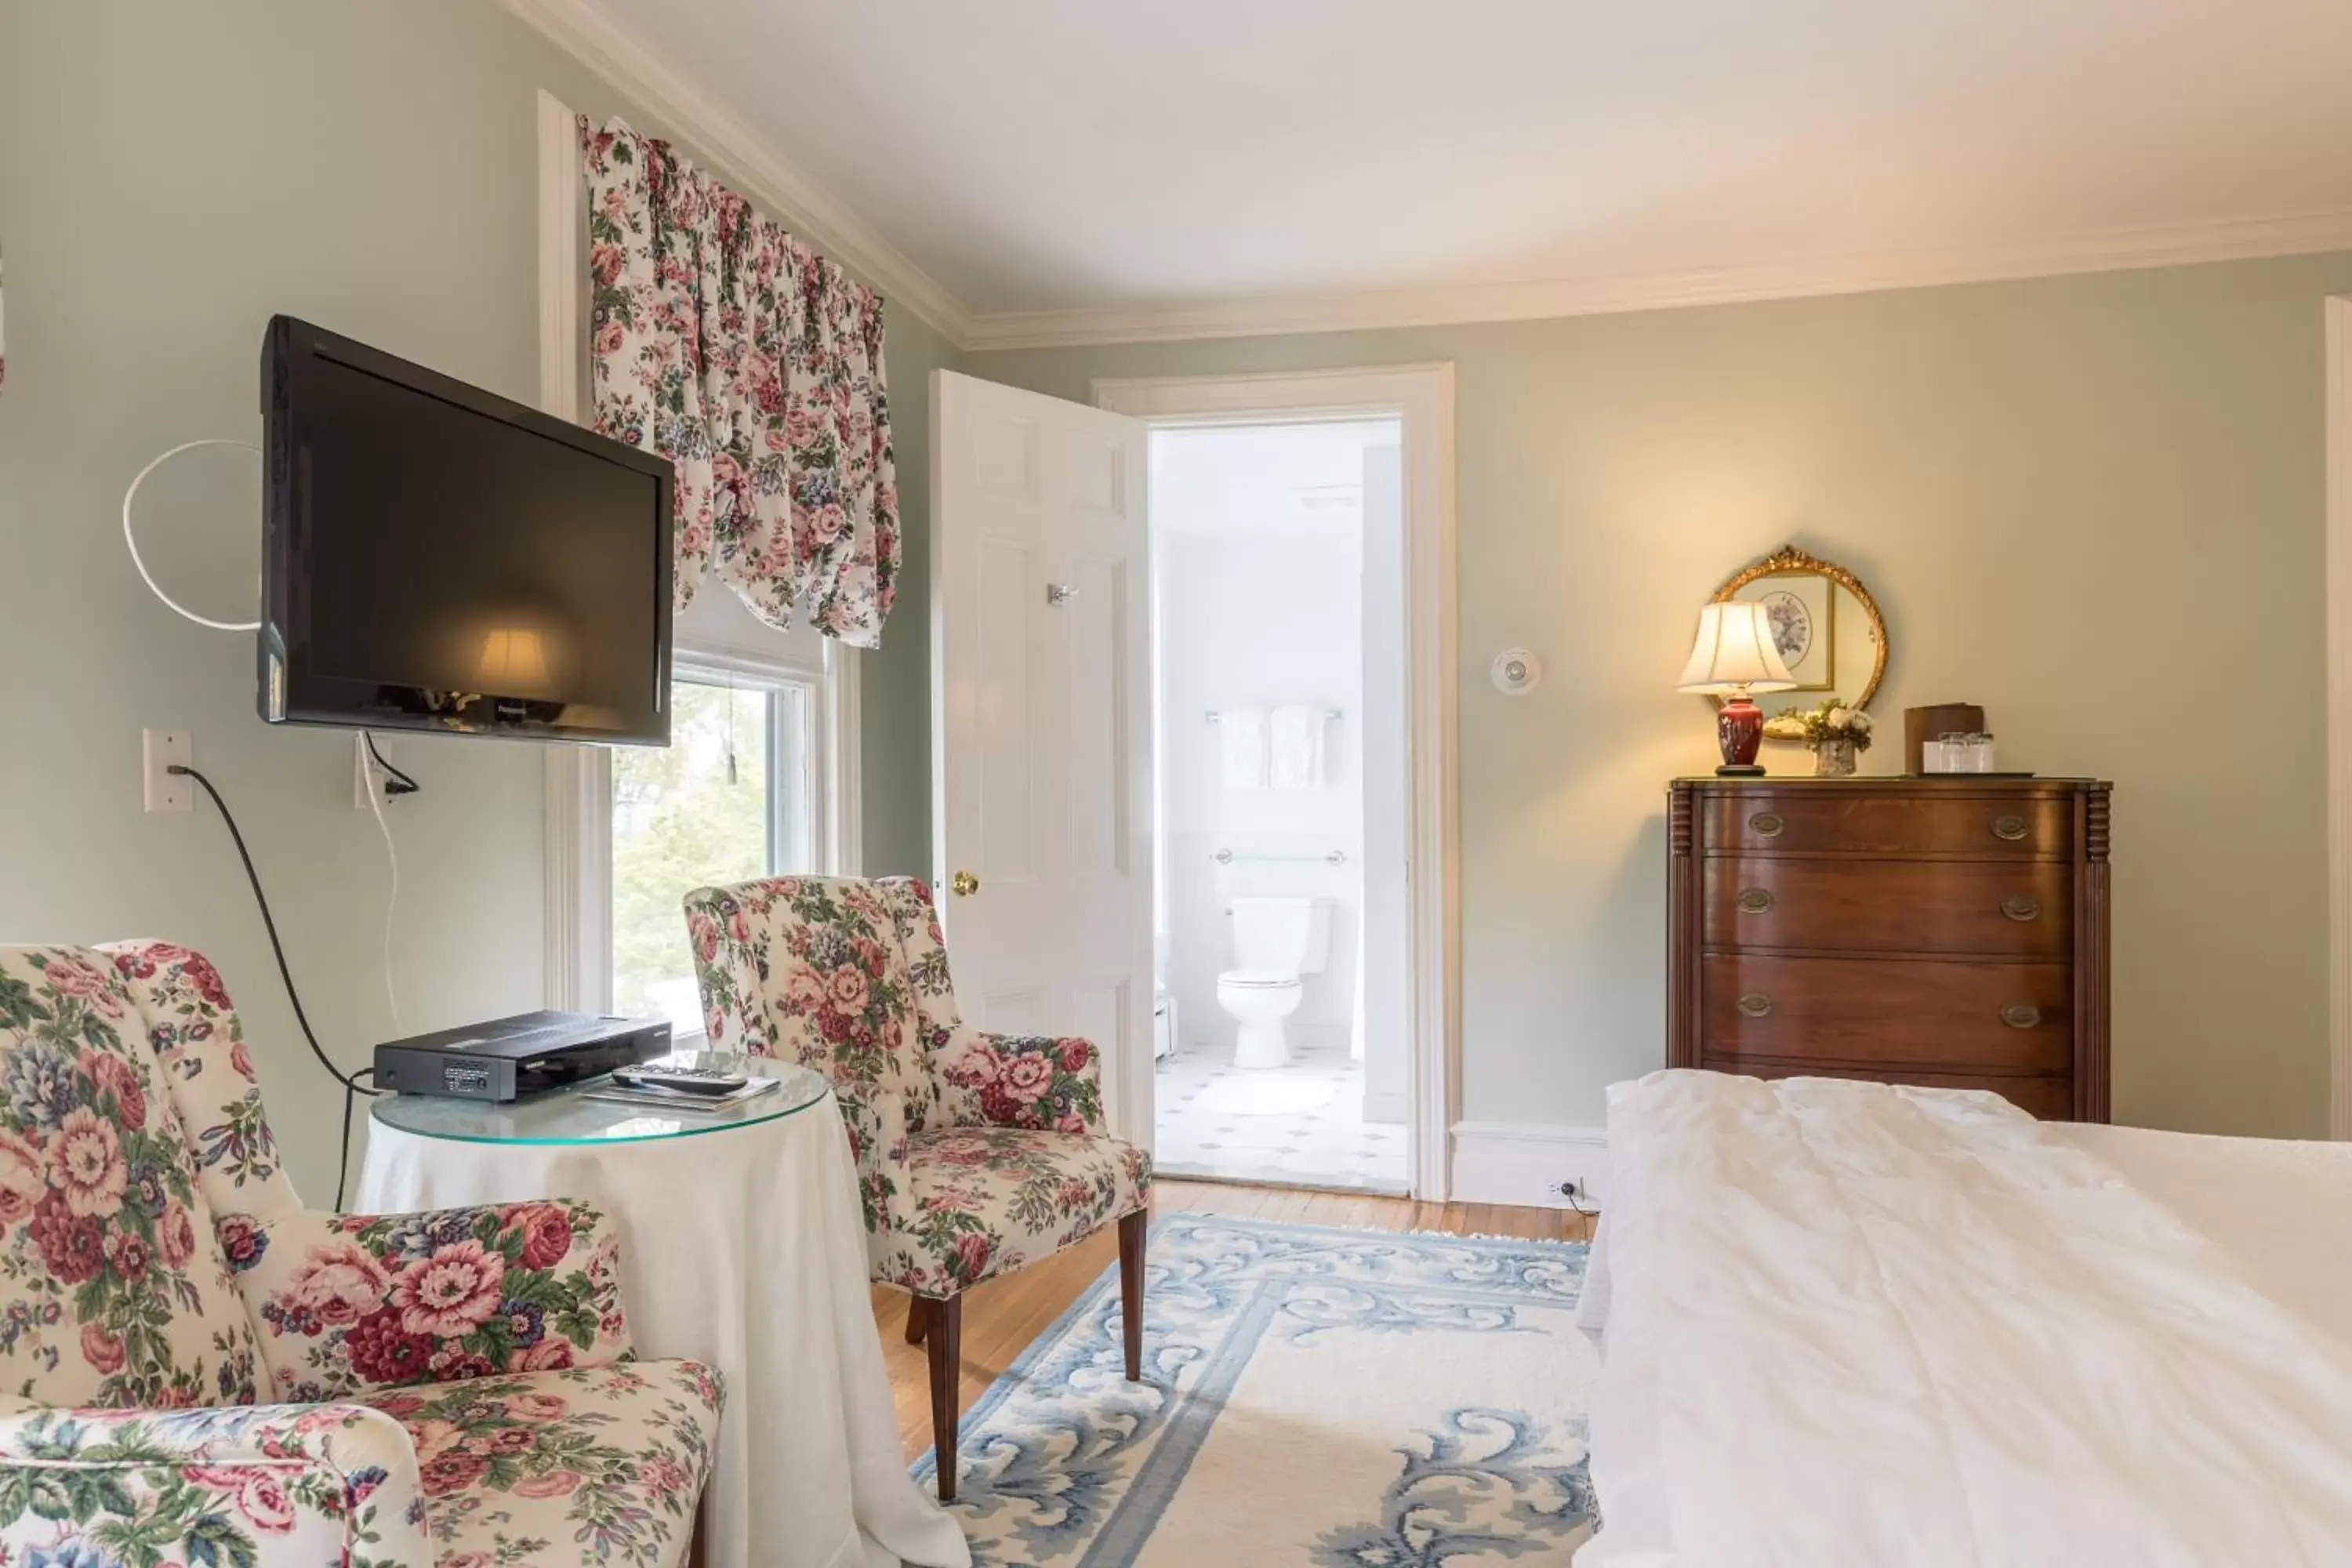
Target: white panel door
point(1041, 745)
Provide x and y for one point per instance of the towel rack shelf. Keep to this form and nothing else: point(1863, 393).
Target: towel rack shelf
point(1228, 857)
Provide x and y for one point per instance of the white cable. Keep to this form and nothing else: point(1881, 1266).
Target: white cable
point(131, 540)
point(392, 857)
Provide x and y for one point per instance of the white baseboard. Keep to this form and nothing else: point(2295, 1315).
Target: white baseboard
point(1521, 1162)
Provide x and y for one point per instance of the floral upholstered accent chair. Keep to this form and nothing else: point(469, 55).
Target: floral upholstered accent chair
point(977, 1154)
point(195, 1370)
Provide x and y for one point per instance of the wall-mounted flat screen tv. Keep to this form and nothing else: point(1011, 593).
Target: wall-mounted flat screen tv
point(439, 558)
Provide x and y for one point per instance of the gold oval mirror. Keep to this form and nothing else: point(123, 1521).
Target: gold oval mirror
point(1825, 623)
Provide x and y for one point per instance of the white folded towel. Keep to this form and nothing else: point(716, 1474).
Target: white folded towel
point(1297, 746)
point(1241, 735)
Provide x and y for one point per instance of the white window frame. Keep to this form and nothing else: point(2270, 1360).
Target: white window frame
point(577, 957)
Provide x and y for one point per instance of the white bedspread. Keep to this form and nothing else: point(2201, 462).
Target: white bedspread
point(1853, 1325)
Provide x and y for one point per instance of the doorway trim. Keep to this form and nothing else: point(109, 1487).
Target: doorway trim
point(1421, 397)
point(2339, 715)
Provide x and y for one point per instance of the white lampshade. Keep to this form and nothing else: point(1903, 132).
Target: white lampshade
point(514, 664)
point(1733, 653)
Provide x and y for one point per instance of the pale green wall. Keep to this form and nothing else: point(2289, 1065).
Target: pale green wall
point(2091, 504)
point(170, 176)
point(896, 679)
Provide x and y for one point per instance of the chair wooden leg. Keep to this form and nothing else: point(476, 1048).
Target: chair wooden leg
point(918, 1314)
point(944, 1327)
point(698, 1550)
point(1131, 1230)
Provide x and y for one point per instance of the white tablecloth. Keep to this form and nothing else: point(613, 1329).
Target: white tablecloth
point(743, 1249)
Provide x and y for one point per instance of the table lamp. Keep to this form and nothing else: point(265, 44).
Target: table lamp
point(1735, 654)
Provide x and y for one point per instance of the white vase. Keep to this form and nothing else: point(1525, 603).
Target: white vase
point(1833, 759)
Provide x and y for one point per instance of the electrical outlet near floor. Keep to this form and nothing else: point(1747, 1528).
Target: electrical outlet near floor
point(159, 750)
point(1571, 1189)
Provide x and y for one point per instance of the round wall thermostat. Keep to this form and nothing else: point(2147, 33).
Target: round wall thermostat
point(1516, 671)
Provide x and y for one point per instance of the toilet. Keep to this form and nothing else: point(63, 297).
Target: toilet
point(1275, 941)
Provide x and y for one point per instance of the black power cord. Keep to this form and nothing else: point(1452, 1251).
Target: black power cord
point(350, 1081)
point(396, 784)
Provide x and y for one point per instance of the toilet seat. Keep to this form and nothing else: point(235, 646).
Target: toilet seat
point(1257, 979)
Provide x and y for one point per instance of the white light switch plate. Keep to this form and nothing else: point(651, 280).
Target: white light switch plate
point(161, 749)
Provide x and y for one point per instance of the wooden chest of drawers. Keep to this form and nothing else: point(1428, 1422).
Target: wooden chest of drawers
point(1942, 931)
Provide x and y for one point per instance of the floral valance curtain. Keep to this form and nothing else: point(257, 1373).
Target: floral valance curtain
point(755, 366)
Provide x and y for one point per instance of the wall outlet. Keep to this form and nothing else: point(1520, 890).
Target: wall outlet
point(367, 777)
point(1570, 1189)
point(159, 750)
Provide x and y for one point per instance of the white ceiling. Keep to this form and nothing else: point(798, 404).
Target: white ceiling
point(1153, 169)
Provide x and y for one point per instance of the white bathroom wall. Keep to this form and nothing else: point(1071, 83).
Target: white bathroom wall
point(1259, 578)
point(1259, 623)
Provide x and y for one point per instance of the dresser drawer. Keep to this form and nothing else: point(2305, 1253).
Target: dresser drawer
point(1909, 1014)
point(2047, 1099)
point(1988, 908)
point(1927, 822)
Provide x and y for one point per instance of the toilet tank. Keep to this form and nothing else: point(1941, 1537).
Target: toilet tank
point(1293, 934)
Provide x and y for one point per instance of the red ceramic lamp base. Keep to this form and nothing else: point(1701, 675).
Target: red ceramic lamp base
point(1740, 730)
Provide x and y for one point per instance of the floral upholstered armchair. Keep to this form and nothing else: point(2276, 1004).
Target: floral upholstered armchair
point(198, 1371)
point(977, 1152)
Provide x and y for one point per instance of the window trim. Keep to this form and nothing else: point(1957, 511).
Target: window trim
point(580, 818)
point(577, 958)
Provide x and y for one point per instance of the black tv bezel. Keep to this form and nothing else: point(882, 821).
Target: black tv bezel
point(290, 691)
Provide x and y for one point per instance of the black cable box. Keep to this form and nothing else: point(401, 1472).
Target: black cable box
point(508, 1058)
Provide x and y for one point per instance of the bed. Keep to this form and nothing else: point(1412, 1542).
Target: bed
point(1849, 1325)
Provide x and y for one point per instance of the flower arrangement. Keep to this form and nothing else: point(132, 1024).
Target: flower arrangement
point(1832, 720)
point(1833, 731)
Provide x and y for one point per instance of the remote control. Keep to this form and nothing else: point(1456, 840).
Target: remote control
point(681, 1078)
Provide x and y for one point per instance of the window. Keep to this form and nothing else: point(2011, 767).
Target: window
point(735, 796)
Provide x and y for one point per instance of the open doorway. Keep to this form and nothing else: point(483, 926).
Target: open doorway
point(1046, 734)
point(1281, 820)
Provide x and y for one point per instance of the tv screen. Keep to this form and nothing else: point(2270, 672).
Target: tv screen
point(439, 558)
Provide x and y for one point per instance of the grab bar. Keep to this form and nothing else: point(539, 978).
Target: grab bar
point(1332, 713)
point(1228, 857)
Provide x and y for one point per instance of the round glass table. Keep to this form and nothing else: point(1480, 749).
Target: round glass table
point(742, 1246)
point(575, 1114)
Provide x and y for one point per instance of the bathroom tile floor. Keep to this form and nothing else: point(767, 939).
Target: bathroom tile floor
point(1330, 1145)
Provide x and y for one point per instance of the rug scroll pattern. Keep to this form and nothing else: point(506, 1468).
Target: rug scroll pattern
point(1336, 1399)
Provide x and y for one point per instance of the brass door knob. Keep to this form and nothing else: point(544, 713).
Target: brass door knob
point(963, 884)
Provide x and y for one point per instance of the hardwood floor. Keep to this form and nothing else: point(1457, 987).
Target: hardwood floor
point(1003, 1316)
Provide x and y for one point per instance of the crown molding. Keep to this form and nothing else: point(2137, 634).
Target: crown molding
point(691, 113)
point(1444, 305)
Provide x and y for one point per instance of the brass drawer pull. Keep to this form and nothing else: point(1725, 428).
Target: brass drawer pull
point(1766, 824)
point(1755, 900)
point(2021, 1014)
point(1755, 1004)
point(2010, 828)
point(2020, 907)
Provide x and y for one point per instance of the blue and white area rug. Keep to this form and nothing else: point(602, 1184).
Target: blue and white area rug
point(1333, 1398)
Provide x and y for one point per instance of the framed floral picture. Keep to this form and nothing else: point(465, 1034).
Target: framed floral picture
point(1802, 611)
